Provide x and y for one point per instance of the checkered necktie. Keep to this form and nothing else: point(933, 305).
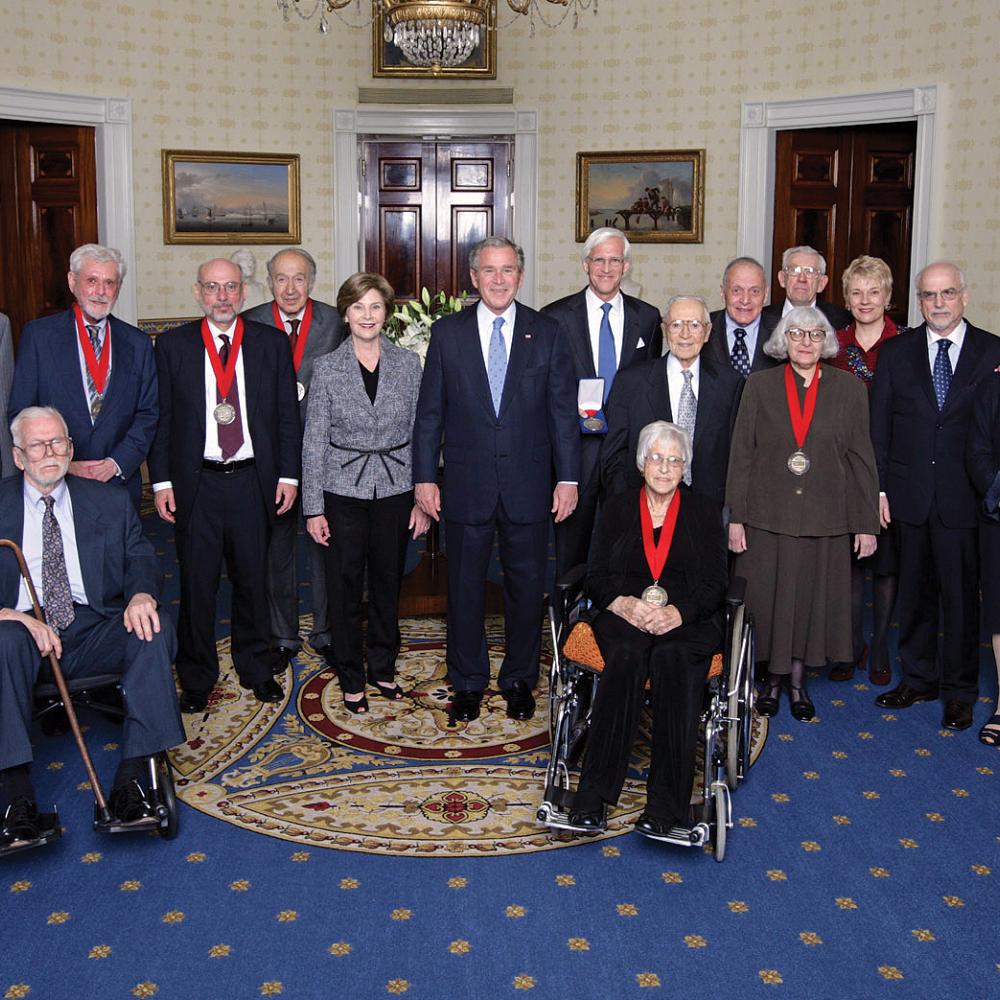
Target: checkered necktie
point(741, 356)
point(941, 376)
point(95, 398)
point(496, 368)
point(59, 611)
point(687, 411)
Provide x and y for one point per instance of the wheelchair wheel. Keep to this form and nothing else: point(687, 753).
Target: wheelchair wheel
point(738, 710)
point(722, 817)
point(166, 797)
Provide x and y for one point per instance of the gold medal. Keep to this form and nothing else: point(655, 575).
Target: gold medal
point(224, 413)
point(798, 463)
point(301, 390)
point(594, 424)
point(654, 594)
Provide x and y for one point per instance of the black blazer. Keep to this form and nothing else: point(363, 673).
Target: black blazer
point(717, 347)
point(640, 396)
point(272, 411)
point(642, 339)
point(838, 316)
point(696, 572)
point(982, 457)
point(489, 457)
point(921, 451)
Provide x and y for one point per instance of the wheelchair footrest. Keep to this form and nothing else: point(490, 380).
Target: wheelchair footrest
point(49, 830)
point(153, 821)
point(681, 836)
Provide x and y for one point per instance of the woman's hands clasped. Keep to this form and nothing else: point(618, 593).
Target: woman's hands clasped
point(646, 617)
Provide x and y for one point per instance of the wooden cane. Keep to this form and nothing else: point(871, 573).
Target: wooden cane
point(74, 725)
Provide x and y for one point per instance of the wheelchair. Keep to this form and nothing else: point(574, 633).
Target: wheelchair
point(54, 695)
point(725, 727)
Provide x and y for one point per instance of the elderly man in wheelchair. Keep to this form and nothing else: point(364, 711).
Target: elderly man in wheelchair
point(81, 539)
point(659, 612)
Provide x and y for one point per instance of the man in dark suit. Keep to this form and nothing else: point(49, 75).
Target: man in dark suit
point(224, 464)
point(684, 387)
point(98, 579)
point(97, 369)
point(922, 396)
point(741, 329)
point(313, 329)
point(803, 277)
point(606, 331)
point(498, 388)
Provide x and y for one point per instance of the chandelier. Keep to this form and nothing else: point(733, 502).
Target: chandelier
point(434, 32)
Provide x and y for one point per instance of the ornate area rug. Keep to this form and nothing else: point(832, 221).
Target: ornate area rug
point(402, 779)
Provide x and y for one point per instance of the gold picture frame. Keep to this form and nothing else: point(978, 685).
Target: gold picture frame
point(234, 198)
point(389, 62)
point(653, 197)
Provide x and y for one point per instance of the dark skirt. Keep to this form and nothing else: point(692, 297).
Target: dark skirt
point(989, 571)
point(799, 593)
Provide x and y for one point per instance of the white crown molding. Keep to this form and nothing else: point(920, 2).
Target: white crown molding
point(111, 118)
point(760, 121)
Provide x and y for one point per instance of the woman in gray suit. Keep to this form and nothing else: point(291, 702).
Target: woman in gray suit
point(357, 483)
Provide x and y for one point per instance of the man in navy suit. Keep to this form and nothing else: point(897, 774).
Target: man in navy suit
point(97, 369)
point(742, 328)
point(803, 277)
point(98, 579)
point(606, 331)
point(498, 387)
point(656, 390)
point(922, 401)
point(225, 464)
point(313, 329)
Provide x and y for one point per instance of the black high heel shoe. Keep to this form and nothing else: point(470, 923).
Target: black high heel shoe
point(359, 707)
point(394, 693)
point(802, 707)
point(769, 699)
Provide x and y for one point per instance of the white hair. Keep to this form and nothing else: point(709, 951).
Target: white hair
point(662, 430)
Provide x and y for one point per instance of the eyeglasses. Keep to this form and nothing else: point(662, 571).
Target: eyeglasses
point(35, 450)
point(671, 461)
point(694, 325)
point(809, 272)
point(610, 263)
point(946, 294)
point(214, 287)
point(815, 336)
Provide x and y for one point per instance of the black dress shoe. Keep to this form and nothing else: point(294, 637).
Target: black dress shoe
point(282, 659)
point(903, 696)
point(588, 820)
point(194, 701)
point(21, 822)
point(465, 705)
point(801, 705)
point(128, 802)
point(268, 691)
point(654, 826)
point(957, 714)
point(769, 700)
point(520, 701)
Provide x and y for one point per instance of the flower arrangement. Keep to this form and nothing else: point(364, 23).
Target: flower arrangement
point(411, 323)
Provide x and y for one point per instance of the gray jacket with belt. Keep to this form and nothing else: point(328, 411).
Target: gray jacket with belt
point(352, 447)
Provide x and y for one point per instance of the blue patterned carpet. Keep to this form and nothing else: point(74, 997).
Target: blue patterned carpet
point(863, 864)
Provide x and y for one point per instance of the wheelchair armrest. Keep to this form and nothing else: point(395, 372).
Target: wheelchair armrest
point(569, 588)
point(736, 593)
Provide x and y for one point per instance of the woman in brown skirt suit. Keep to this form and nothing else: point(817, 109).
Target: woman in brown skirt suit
point(801, 483)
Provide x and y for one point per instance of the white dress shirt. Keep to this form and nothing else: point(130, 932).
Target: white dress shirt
point(31, 544)
point(957, 338)
point(788, 307)
point(752, 330)
point(485, 318)
point(213, 452)
point(675, 382)
point(616, 317)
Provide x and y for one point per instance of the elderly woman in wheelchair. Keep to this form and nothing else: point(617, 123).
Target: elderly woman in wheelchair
point(657, 581)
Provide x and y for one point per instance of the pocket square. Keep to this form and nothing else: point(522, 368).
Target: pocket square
point(640, 343)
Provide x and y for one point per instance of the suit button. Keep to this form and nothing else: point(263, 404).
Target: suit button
point(798, 492)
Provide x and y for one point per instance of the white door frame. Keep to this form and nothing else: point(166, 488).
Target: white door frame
point(111, 118)
point(350, 123)
point(762, 120)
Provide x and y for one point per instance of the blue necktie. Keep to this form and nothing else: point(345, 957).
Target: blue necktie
point(496, 367)
point(941, 376)
point(607, 366)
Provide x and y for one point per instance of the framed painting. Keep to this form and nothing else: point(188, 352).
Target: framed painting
point(388, 59)
point(654, 197)
point(230, 197)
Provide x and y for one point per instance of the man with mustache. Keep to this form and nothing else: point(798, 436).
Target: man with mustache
point(97, 369)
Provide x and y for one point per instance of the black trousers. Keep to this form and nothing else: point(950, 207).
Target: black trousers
point(573, 535)
point(676, 665)
point(938, 585)
point(228, 523)
point(523, 555)
point(366, 535)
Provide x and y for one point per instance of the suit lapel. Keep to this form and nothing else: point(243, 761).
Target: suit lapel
point(520, 351)
point(122, 366)
point(89, 543)
point(920, 364)
point(630, 334)
point(12, 528)
point(658, 393)
point(581, 337)
point(706, 398)
point(471, 354)
point(75, 403)
point(968, 362)
point(253, 370)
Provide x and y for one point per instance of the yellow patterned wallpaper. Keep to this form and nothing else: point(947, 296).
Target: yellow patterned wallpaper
point(229, 75)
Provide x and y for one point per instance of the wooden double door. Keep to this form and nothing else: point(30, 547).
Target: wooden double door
point(426, 204)
point(847, 191)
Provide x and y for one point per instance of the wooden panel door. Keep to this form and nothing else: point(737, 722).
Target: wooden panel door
point(426, 204)
point(847, 191)
point(51, 172)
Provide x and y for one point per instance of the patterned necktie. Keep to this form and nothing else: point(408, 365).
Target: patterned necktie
point(741, 356)
point(941, 376)
point(59, 611)
point(496, 368)
point(293, 334)
point(607, 366)
point(230, 435)
point(687, 412)
point(95, 398)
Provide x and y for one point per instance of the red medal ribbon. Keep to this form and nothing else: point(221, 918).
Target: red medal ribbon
point(656, 555)
point(300, 344)
point(98, 369)
point(801, 418)
point(223, 377)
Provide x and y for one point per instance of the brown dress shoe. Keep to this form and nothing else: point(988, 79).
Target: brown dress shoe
point(957, 714)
